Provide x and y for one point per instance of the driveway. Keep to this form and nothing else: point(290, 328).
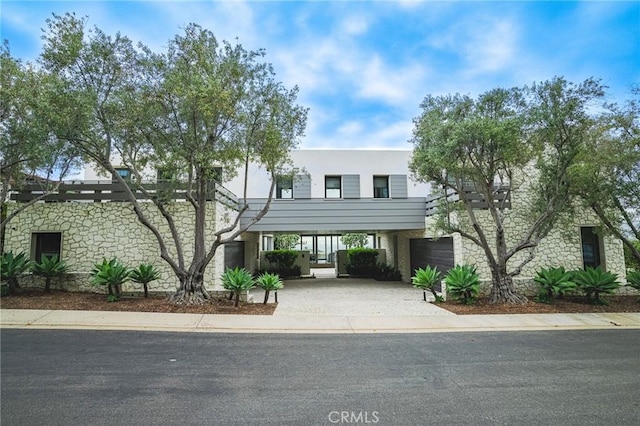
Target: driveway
point(349, 297)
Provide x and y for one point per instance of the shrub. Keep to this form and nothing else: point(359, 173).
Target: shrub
point(144, 275)
point(463, 283)
point(283, 263)
point(595, 281)
point(553, 281)
point(269, 282)
point(361, 262)
point(426, 279)
point(11, 267)
point(387, 273)
point(49, 267)
point(113, 274)
point(236, 281)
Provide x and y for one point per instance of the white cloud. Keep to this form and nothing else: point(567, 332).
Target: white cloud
point(395, 85)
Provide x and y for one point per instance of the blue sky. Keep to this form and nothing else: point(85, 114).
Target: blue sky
point(364, 67)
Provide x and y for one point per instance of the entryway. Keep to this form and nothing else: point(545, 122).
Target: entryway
point(349, 297)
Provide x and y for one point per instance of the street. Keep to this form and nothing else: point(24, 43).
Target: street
point(76, 377)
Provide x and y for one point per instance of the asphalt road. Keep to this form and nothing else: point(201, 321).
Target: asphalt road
point(142, 378)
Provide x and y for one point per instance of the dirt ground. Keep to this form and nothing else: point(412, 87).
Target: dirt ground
point(62, 300)
point(568, 305)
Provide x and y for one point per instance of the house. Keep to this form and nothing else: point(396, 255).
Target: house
point(336, 191)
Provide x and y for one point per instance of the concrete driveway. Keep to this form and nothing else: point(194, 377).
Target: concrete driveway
point(349, 297)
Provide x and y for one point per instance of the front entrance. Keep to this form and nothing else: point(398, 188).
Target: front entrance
point(322, 248)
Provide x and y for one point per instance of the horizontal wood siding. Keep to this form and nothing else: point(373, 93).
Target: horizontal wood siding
point(320, 215)
point(350, 186)
point(302, 187)
point(398, 186)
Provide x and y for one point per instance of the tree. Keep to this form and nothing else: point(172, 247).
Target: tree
point(287, 241)
point(34, 150)
point(199, 105)
point(353, 240)
point(521, 139)
point(606, 176)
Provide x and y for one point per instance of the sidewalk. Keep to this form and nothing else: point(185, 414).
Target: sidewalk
point(144, 321)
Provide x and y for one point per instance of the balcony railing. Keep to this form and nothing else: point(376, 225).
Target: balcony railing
point(501, 199)
point(104, 190)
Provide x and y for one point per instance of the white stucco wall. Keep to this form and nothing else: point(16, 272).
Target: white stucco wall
point(320, 162)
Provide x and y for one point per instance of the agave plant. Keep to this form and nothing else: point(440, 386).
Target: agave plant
point(633, 279)
point(595, 281)
point(553, 281)
point(269, 282)
point(463, 283)
point(12, 266)
point(236, 281)
point(144, 274)
point(111, 273)
point(49, 267)
point(426, 279)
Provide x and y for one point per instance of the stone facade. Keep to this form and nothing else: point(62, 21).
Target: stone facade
point(91, 231)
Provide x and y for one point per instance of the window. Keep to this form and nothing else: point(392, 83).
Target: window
point(45, 244)
point(284, 187)
point(332, 187)
point(124, 173)
point(381, 187)
point(590, 247)
point(165, 174)
point(213, 173)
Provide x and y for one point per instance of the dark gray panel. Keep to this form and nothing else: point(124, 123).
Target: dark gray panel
point(433, 253)
point(351, 186)
point(234, 255)
point(302, 186)
point(398, 186)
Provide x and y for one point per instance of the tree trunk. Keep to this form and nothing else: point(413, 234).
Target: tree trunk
point(237, 299)
point(146, 290)
point(266, 297)
point(502, 290)
point(47, 284)
point(191, 291)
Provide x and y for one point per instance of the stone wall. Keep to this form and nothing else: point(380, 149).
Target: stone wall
point(91, 231)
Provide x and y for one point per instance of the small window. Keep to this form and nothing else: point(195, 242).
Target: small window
point(381, 187)
point(45, 244)
point(124, 173)
point(284, 187)
point(590, 247)
point(333, 187)
point(213, 173)
point(165, 174)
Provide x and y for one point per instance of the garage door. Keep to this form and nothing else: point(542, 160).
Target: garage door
point(435, 253)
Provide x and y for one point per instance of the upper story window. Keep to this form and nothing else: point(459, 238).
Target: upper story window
point(213, 173)
point(284, 187)
point(165, 173)
point(124, 173)
point(333, 187)
point(381, 187)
